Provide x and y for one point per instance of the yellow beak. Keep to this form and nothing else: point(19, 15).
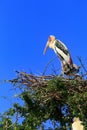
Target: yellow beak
point(47, 45)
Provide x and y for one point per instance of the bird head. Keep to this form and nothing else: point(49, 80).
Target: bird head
point(49, 43)
point(75, 119)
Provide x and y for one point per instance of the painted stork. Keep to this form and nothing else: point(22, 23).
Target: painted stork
point(68, 68)
point(77, 124)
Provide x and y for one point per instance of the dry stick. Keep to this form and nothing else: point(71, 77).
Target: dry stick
point(82, 64)
point(48, 64)
point(82, 67)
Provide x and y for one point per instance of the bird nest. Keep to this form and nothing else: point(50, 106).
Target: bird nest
point(76, 84)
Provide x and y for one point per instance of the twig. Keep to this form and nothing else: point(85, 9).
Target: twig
point(82, 64)
point(48, 65)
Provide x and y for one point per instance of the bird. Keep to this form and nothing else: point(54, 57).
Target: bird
point(61, 50)
point(77, 124)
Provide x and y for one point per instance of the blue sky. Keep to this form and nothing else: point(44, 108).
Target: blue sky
point(24, 28)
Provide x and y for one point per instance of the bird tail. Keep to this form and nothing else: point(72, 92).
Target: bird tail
point(76, 68)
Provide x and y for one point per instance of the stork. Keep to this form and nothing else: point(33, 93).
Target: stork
point(68, 68)
point(77, 124)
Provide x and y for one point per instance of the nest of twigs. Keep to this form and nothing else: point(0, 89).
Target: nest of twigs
point(40, 83)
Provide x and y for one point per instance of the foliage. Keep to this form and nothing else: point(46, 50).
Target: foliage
point(47, 97)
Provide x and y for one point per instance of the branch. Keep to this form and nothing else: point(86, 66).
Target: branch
point(48, 65)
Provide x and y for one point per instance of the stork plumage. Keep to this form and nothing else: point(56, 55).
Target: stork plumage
point(62, 52)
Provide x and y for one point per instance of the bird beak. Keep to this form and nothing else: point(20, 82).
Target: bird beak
point(47, 45)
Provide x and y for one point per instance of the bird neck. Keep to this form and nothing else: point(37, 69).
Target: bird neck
point(51, 45)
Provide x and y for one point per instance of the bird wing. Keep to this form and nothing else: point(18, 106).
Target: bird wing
point(62, 51)
point(62, 47)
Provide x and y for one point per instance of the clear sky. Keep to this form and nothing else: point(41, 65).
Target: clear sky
point(24, 28)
